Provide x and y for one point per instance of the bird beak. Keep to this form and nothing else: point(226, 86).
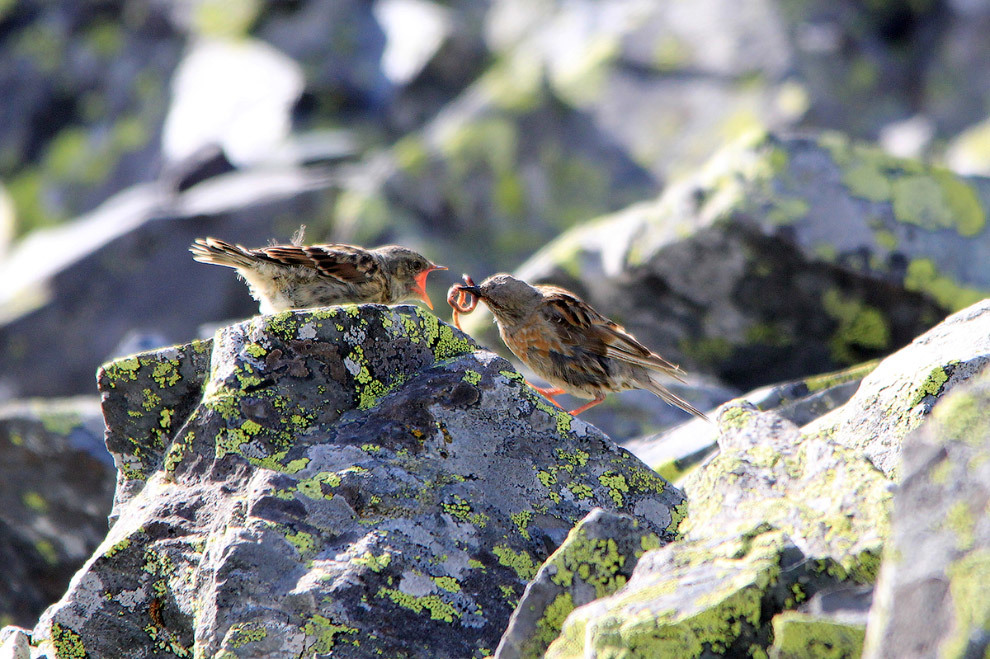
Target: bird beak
point(421, 284)
point(473, 290)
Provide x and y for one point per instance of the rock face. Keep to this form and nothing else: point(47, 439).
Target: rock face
point(348, 481)
point(57, 488)
point(937, 563)
point(786, 524)
point(783, 258)
point(595, 560)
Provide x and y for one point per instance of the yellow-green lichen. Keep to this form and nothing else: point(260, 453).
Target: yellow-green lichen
point(923, 276)
point(312, 487)
point(521, 562)
point(932, 385)
point(243, 633)
point(522, 520)
point(255, 350)
point(325, 633)
point(438, 608)
point(35, 502)
point(799, 635)
point(677, 515)
point(166, 373)
point(67, 643)
point(580, 490)
point(616, 484)
point(447, 583)
point(119, 546)
point(960, 521)
point(860, 326)
point(304, 542)
point(969, 577)
point(472, 377)
point(460, 509)
point(373, 562)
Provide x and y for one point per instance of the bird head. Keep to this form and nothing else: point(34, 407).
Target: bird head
point(510, 299)
point(409, 271)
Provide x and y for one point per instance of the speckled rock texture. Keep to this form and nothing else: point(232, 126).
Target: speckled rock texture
point(782, 257)
point(351, 481)
point(899, 393)
point(773, 519)
point(594, 561)
point(675, 451)
point(936, 566)
point(56, 486)
point(786, 525)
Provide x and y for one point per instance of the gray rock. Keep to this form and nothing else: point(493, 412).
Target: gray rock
point(349, 480)
point(125, 269)
point(765, 531)
point(782, 257)
point(899, 393)
point(783, 539)
point(935, 565)
point(594, 561)
point(675, 451)
point(85, 89)
point(15, 643)
point(58, 482)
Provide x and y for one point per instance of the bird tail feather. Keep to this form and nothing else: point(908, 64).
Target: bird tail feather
point(670, 397)
point(220, 252)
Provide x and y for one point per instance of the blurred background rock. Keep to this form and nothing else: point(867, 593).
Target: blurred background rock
point(761, 190)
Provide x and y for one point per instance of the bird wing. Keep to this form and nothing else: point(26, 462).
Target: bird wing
point(579, 324)
point(346, 263)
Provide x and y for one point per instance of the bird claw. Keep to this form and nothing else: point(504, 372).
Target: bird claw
point(460, 300)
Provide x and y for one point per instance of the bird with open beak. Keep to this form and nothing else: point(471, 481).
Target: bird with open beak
point(295, 276)
point(567, 343)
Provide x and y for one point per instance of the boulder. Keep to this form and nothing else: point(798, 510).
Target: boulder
point(594, 561)
point(786, 525)
point(782, 258)
point(936, 565)
point(766, 529)
point(85, 88)
point(350, 481)
point(58, 482)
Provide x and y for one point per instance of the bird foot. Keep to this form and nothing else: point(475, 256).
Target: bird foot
point(586, 406)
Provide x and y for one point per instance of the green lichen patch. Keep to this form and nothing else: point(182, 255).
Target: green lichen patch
point(67, 643)
point(928, 197)
point(438, 608)
point(932, 385)
point(923, 276)
point(521, 562)
point(326, 634)
point(799, 635)
point(860, 327)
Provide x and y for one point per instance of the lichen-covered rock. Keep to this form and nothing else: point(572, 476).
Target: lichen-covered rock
point(782, 257)
point(677, 450)
point(594, 561)
point(799, 636)
point(57, 488)
point(899, 393)
point(349, 481)
point(766, 529)
point(936, 567)
point(84, 91)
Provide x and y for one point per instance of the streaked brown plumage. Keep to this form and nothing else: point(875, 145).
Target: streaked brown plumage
point(299, 276)
point(569, 344)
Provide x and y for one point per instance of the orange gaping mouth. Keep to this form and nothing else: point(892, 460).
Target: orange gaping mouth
point(420, 287)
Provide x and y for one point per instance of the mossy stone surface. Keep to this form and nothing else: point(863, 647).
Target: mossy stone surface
point(354, 480)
